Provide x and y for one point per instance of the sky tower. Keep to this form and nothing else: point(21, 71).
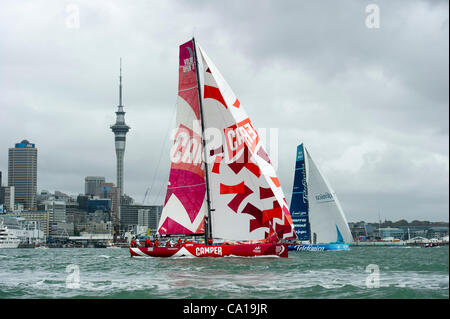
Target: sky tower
point(120, 130)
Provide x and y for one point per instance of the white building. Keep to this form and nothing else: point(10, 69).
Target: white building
point(28, 231)
point(7, 198)
point(57, 210)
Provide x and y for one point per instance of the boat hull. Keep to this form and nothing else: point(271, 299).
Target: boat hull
point(200, 250)
point(10, 245)
point(319, 247)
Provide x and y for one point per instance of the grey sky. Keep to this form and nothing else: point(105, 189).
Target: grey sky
point(372, 105)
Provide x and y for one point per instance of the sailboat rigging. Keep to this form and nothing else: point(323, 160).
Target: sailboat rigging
point(318, 218)
point(250, 215)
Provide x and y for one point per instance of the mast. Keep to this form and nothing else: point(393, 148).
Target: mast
point(208, 197)
point(306, 189)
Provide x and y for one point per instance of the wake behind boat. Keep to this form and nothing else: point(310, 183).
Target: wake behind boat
point(226, 190)
point(318, 218)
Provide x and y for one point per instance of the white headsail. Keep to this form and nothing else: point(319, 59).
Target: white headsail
point(326, 217)
point(247, 200)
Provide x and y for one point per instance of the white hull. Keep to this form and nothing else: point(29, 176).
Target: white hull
point(7, 240)
point(9, 244)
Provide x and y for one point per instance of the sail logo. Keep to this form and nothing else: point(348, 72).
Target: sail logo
point(257, 250)
point(188, 64)
point(300, 154)
point(310, 248)
point(305, 188)
point(279, 249)
point(239, 134)
point(187, 147)
point(324, 196)
point(215, 250)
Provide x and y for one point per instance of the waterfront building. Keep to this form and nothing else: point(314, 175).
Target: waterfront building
point(110, 191)
point(58, 227)
point(76, 216)
point(40, 218)
point(62, 196)
point(71, 207)
point(27, 231)
point(140, 215)
point(414, 231)
point(120, 130)
point(43, 196)
point(95, 227)
point(57, 210)
point(103, 204)
point(389, 232)
point(7, 198)
point(437, 232)
point(362, 230)
point(92, 185)
point(82, 201)
point(126, 200)
point(61, 230)
point(22, 173)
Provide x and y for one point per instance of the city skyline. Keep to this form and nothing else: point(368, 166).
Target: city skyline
point(371, 104)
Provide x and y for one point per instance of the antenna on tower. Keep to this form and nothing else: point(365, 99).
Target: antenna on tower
point(120, 80)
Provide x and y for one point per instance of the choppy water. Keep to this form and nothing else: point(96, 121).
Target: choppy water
point(403, 272)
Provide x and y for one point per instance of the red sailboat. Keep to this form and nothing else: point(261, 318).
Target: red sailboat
point(222, 185)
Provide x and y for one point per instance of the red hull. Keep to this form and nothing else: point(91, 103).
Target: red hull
point(200, 250)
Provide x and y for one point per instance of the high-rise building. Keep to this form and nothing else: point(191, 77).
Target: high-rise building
point(140, 215)
point(120, 130)
point(7, 197)
point(93, 185)
point(22, 173)
point(112, 192)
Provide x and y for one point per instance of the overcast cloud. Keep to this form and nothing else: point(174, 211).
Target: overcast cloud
point(371, 104)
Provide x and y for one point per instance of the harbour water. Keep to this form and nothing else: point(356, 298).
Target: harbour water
point(362, 272)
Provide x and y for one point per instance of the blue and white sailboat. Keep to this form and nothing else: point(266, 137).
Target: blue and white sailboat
point(318, 218)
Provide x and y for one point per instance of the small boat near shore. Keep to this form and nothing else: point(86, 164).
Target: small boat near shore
point(40, 247)
point(112, 245)
point(430, 245)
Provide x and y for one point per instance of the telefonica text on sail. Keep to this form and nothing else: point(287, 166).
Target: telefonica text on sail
point(324, 196)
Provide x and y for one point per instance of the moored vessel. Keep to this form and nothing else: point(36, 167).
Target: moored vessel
point(7, 239)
